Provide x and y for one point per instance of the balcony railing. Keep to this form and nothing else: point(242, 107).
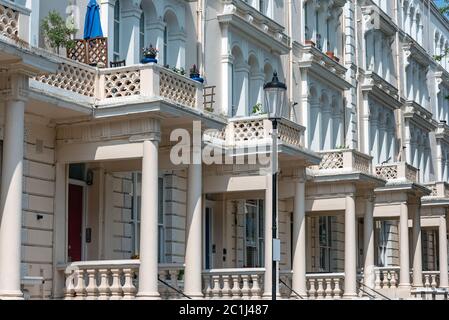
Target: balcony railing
point(246, 283)
point(319, 285)
point(257, 129)
point(397, 171)
point(14, 21)
point(104, 86)
point(115, 280)
point(386, 277)
point(438, 189)
point(91, 51)
point(347, 160)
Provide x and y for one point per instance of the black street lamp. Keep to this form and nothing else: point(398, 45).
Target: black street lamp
point(275, 98)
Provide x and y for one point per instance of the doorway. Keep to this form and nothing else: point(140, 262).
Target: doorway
point(75, 222)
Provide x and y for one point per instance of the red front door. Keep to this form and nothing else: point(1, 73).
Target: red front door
point(75, 222)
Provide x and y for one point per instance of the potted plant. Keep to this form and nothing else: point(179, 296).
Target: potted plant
point(149, 54)
point(195, 74)
point(57, 33)
point(330, 54)
point(257, 108)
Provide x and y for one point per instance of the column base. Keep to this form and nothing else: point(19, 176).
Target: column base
point(11, 295)
point(350, 296)
point(268, 296)
point(148, 296)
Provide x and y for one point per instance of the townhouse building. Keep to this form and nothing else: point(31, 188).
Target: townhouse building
point(93, 206)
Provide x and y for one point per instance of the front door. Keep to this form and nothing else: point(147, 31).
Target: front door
point(75, 222)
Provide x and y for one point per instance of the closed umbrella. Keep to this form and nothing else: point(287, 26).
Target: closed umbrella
point(92, 23)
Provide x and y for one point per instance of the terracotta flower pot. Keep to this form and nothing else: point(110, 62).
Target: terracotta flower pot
point(310, 43)
point(330, 54)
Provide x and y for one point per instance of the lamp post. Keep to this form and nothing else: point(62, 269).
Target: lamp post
point(275, 97)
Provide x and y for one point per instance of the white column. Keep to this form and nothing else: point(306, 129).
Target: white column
point(404, 257)
point(148, 270)
point(107, 24)
point(193, 259)
point(11, 201)
point(154, 35)
point(242, 74)
point(299, 241)
point(350, 249)
point(417, 250)
point(226, 72)
point(368, 241)
point(442, 234)
point(130, 35)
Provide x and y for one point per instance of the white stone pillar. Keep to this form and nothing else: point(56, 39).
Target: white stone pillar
point(368, 241)
point(242, 74)
point(148, 270)
point(299, 241)
point(107, 24)
point(154, 35)
point(417, 249)
point(130, 36)
point(193, 258)
point(350, 249)
point(11, 200)
point(442, 235)
point(404, 257)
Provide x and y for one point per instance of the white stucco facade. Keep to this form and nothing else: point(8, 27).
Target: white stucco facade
point(93, 207)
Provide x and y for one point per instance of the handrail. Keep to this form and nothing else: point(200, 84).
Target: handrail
point(288, 287)
point(173, 288)
point(377, 292)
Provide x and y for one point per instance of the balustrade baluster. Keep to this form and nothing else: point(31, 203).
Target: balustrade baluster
point(385, 282)
point(393, 281)
point(91, 289)
point(434, 281)
point(245, 287)
point(328, 290)
point(377, 281)
point(174, 274)
point(337, 291)
point(80, 288)
point(103, 288)
point(312, 290)
point(116, 287)
point(226, 291)
point(129, 291)
point(320, 290)
point(69, 284)
point(207, 287)
point(256, 291)
point(235, 287)
point(426, 281)
point(216, 290)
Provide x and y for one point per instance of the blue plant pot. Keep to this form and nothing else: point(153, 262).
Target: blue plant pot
point(148, 60)
point(197, 78)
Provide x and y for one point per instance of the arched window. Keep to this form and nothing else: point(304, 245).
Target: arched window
point(165, 45)
point(142, 33)
point(116, 49)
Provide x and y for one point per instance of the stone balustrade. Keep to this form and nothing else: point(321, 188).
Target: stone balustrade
point(438, 189)
point(386, 277)
point(325, 285)
point(431, 279)
point(14, 21)
point(241, 284)
point(116, 280)
point(344, 160)
point(173, 276)
point(251, 131)
point(397, 171)
point(111, 85)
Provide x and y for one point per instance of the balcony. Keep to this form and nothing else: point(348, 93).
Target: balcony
point(438, 189)
point(381, 89)
point(320, 65)
point(124, 86)
point(343, 161)
point(401, 172)
point(14, 22)
point(419, 115)
point(253, 23)
point(257, 130)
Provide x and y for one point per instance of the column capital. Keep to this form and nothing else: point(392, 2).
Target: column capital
point(14, 87)
point(299, 175)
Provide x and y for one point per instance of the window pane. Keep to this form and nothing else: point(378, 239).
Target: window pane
point(77, 171)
